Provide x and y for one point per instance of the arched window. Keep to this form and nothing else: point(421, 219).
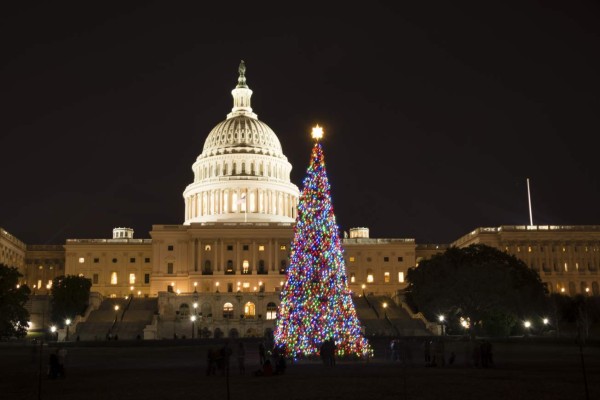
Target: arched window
point(369, 275)
point(218, 333)
point(271, 311)
point(233, 333)
point(227, 310)
point(249, 310)
point(206, 310)
point(572, 289)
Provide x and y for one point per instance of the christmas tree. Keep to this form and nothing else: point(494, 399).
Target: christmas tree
point(316, 303)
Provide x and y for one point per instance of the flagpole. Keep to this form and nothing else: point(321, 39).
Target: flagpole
point(529, 198)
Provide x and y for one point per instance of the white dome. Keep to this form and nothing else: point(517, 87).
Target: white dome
point(242, 173)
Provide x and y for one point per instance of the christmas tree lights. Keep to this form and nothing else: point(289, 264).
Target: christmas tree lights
point(316, 303)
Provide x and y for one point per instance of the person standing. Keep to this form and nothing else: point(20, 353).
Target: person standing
point(262, 352)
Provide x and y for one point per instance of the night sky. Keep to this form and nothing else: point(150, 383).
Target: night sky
point(435, 114)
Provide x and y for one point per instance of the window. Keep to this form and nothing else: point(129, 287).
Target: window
point(246, 285)
point(170, 247)
point(207, 247)
point(132, 279)
point(245, 267)
point(400, 259)
point(401, 277)
point(132, 260)
point(282, 267)
point(81, 260)
point(96, 260)
point(230, 287)
point(282, 247)
point(370, 278)
point(566, 267)
point(229, 247)
point(351, 259)
point(386, 259)
point(261, 267)
point(113, 278)
point(352, 277)
point(529, 249)
point(146, 278)
point(261, 248)
point(95, 279)
point(249, 310)
point(245, 247)
point(386, 277)
point(368, 259)
point(114, 260)
point(227, 310)
point(271, 311)
point(169, 268)
point(229, 269)
point(147, 260)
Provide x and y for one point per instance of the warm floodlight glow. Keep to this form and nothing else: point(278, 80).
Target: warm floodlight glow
point(441, 318)
point(317, 132)
point(384, 305)
point(527, 324)
point(116, 308)
point(53, 329)
point(195, 284)
point(68, 321)
point(178, 291)
point(193, 318)
point(545, 321)
point(562, 290)
point(363, 286)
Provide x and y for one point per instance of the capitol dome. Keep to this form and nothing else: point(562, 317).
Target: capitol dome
point(242, 174)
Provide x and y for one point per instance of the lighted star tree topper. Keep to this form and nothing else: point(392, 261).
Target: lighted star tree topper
point(316, 303)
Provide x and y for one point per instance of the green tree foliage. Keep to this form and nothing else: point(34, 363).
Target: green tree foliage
point(70, 296)
point(490, 288)
point(13, 315)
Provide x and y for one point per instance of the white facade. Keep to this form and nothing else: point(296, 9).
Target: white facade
point(242, 174)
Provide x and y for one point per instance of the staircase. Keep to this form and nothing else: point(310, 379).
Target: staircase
point(391, 320)
point(127, 322)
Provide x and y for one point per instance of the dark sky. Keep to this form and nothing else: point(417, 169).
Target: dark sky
point(435, 113)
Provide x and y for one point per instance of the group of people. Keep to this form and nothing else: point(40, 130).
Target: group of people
point(218, 359)
point(327, 352)
point(268, 368)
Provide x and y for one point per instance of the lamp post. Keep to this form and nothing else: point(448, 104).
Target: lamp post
point(384, 310)
point(116, 312)
point(441, 319)
point(67, 323)
point(527, 325)
point(193, 319)
point(363, 289)
point(53, 330)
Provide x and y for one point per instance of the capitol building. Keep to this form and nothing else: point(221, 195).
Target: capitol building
point(226, 263)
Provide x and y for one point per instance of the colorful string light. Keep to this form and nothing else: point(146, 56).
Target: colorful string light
point(316, 302)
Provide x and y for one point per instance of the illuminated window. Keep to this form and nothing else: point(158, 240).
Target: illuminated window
point(566, 267)
point(282, 247)
point(271, 311)
point(352, 278)
point(370, 278)
point(401, 277)
point(131, 279)
point(576, 266)
point(529, 249)
point(207, 247)
point(351, 259)
point(113, 278)
point(246, 285)
point(249, 310)
point(227, 310)
point(81, 260)
point(518, 249)
point(386, 277)
point(261, 248)
point(39, 284)
point(564, 249)
point(245, 267)
point(41, 267)
point(81, 275)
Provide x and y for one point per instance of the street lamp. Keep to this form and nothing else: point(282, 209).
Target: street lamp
point(546, 321)
point(217, 285)
point(441, 318)
point(195, 287)
point(193, 319)
point(384, 309)
point(527, 325)
point(67, 323)
point(116, 311)
point(53, 330)
point(363, 286)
